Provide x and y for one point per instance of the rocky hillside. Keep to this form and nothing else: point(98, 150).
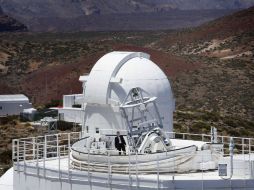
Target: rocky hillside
point(226, 49)
point(225, 38)
point(74, 8)
point(8, 24)
point(84, 15)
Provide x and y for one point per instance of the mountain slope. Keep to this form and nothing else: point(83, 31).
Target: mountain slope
point(226, 49)
point(200, 5)
point(73, 15)
point(174, 19)
point(242, 21)
point(226, 38)
point(74, 8)
point(8, 24)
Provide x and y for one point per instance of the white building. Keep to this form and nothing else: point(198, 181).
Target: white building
point(72, 110)
point(13, 104)
point(108, 84)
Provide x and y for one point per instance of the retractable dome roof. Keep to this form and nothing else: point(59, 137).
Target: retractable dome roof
point(113, 77)
point(117, 72)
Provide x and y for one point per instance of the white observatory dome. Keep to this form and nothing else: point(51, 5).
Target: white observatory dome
point(110, 81)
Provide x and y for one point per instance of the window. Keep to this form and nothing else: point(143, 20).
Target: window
point(76, 105)
point(1, 107)
point(97, 130)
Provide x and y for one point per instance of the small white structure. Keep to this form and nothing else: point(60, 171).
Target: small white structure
point(72, 110)
point(28, 114)
point(13, 104)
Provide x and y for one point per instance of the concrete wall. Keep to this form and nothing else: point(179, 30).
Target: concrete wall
point(104, 118)
point(74, 115)
point(52, 180)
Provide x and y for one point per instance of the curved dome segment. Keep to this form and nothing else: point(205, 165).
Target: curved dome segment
point(97, 86)
point(139, 68)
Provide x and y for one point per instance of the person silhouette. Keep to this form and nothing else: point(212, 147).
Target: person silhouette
point(120, 143)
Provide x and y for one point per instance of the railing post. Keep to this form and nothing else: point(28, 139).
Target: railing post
point(243, 146)
point(137, 183)
point(109, 170)
point(129, 160)
point(57, 144)
point(58, 156)
point(249, 145)
point(24, 155)
point(69, 152)
point(202, 170)
point(59, 161)
point(18, 155)
point(158, 173)
point(37, 156)
point(13, 150)
point(33, 147)
point(89, 176)
point(44, 155)
point(222, 142)
point(174, 168)
point(249, 150)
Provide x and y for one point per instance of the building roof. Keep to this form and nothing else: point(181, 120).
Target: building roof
point(13, 98)
point(128, 70)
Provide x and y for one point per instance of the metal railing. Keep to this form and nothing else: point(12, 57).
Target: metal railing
point(243, 145)
point(38, 150)
point(55, 145)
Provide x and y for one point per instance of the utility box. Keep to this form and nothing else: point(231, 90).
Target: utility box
point(222, 170)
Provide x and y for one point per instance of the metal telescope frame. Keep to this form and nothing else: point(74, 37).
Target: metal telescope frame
point(134, 108)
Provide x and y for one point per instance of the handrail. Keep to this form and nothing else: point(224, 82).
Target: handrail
point(58, 146)
point(61, 140)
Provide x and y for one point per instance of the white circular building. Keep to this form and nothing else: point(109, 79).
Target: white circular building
point(109, 83)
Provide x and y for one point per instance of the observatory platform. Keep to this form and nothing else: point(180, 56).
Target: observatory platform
point(54, 169)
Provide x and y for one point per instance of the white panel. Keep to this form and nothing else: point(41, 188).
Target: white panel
point(72, 115)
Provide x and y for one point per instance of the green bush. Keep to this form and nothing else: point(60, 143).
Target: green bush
point(210, 116)
point(200, 126)
point(54, 103)
point(8, 120)
point(63, 126)
point(6, 157)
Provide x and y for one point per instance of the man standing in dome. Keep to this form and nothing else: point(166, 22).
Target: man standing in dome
point(120, 143)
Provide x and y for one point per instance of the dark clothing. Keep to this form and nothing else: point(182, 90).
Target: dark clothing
point(120, 144)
